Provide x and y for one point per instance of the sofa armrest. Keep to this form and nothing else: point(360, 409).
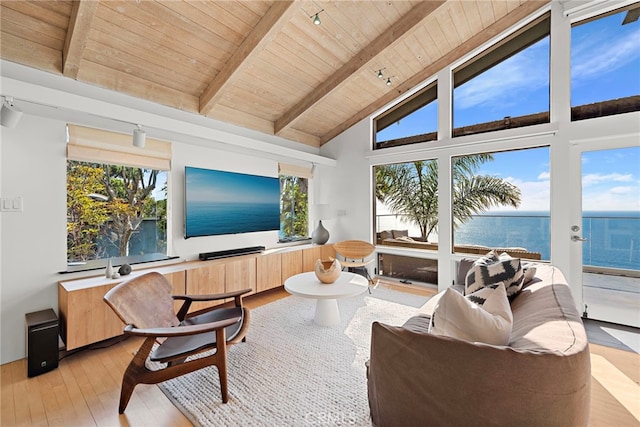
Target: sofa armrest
point(413, 377)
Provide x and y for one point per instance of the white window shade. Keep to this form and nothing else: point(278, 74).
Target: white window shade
point(295, 170)
point(101, 146)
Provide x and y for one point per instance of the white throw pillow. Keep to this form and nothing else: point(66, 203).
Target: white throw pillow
point(483, 316)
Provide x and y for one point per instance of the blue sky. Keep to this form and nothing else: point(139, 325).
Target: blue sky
point(219, 186)
point(605, 58)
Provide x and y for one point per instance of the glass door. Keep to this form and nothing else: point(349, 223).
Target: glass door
point(607, 233)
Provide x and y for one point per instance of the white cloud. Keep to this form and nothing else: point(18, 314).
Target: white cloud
point(622, 190)
point(534, 195)
point(544, 176)
point(611, 201)
point(598, 178)
point(497, 85)
point(596, 56)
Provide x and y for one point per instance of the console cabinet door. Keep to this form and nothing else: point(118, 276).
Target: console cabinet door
point(269, 269)
point(240, 274)
point(291, 264)
point(208, 279)
point(311, 255)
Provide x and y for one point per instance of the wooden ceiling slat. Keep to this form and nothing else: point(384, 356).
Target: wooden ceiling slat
point(232, 115)
point(26, 52)
point(126, 83)
point(454, 55)
point(246, 11)
point(79, 26)
point(232, 14)
point(187, 60)
point(264, 31)
point(138, 18)
point(128, 63)
point(486, 13)
point(53, 13)
point(32, 29)
point(411, 19)
point(499, 8)
point(458, 15)
point(196, 18)
point(157, 60)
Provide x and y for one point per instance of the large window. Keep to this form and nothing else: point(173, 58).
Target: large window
point(501, 201)
point(605, 65)
point(115, 211)
point(506, 86)
point(116, 199)
point(412, 121)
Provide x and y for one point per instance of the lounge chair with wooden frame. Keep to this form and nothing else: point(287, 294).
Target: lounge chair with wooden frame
point(145, 305)
point(355, 255)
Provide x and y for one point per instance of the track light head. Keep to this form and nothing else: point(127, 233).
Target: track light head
point(380, 74)
point(139, 136)
point(316, 17)
point(9, 113)
point(389, 81)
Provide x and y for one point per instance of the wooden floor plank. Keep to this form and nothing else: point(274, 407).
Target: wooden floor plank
point(85, 389)
point(7, 410)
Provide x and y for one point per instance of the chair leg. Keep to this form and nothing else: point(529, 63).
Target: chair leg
point(131, 374)
point(222, 363)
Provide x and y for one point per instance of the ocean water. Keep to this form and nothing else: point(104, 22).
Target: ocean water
point(613, 237)
point(208, 218)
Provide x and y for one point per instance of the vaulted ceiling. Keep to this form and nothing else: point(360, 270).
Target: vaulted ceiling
point(262, 65)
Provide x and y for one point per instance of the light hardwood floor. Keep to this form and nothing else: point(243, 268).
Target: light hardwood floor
point(85, 389)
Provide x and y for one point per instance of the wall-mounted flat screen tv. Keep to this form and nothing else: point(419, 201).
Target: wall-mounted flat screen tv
point(220, 202)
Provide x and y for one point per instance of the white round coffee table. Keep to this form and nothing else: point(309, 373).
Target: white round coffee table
point(307, 285)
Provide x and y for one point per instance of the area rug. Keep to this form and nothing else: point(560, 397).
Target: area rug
point(292, 372)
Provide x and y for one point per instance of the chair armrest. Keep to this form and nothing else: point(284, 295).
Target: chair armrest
point(178, 331)
point(212, 297)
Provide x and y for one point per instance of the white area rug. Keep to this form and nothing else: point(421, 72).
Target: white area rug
point(291, 372)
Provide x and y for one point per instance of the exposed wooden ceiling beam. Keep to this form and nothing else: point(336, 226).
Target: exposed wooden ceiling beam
point(275, 18)
point(80, 20)
point(416, 15)
point(454, 55)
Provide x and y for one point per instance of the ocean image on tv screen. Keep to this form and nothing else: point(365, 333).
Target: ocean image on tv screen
point(219, 202)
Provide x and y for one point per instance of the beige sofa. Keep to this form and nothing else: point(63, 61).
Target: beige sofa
point(541, 378)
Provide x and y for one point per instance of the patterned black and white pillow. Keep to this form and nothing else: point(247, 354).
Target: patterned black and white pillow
point(492, 269)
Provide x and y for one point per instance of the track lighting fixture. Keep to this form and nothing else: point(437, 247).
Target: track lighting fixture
point(389, 81)
point(380, 73)
point(9, 113)
point(316, 17)
point(139, 136)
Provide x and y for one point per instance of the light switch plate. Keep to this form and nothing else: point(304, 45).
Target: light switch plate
point(11, 204)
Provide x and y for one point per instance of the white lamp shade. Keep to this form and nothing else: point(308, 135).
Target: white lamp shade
point(10, 115)
point(139, 137)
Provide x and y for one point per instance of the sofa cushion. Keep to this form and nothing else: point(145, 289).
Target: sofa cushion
point(482, 316)
point(491, 269)
point(464, 265)
point(400, 233)
point(386, 234)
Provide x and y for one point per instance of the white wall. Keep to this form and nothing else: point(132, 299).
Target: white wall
point(33, 249)
point(33, 241)
point(348, 187)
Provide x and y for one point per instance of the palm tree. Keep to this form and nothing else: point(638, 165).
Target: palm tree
point(411, 190)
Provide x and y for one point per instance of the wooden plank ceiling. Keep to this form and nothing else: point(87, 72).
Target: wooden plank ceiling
point(263, 65)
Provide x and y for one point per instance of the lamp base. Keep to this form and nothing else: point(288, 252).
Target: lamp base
point(320, 235)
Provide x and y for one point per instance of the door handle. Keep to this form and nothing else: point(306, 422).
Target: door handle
point(576, 238)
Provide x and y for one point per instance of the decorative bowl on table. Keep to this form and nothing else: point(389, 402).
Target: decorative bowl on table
point(328, 271)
